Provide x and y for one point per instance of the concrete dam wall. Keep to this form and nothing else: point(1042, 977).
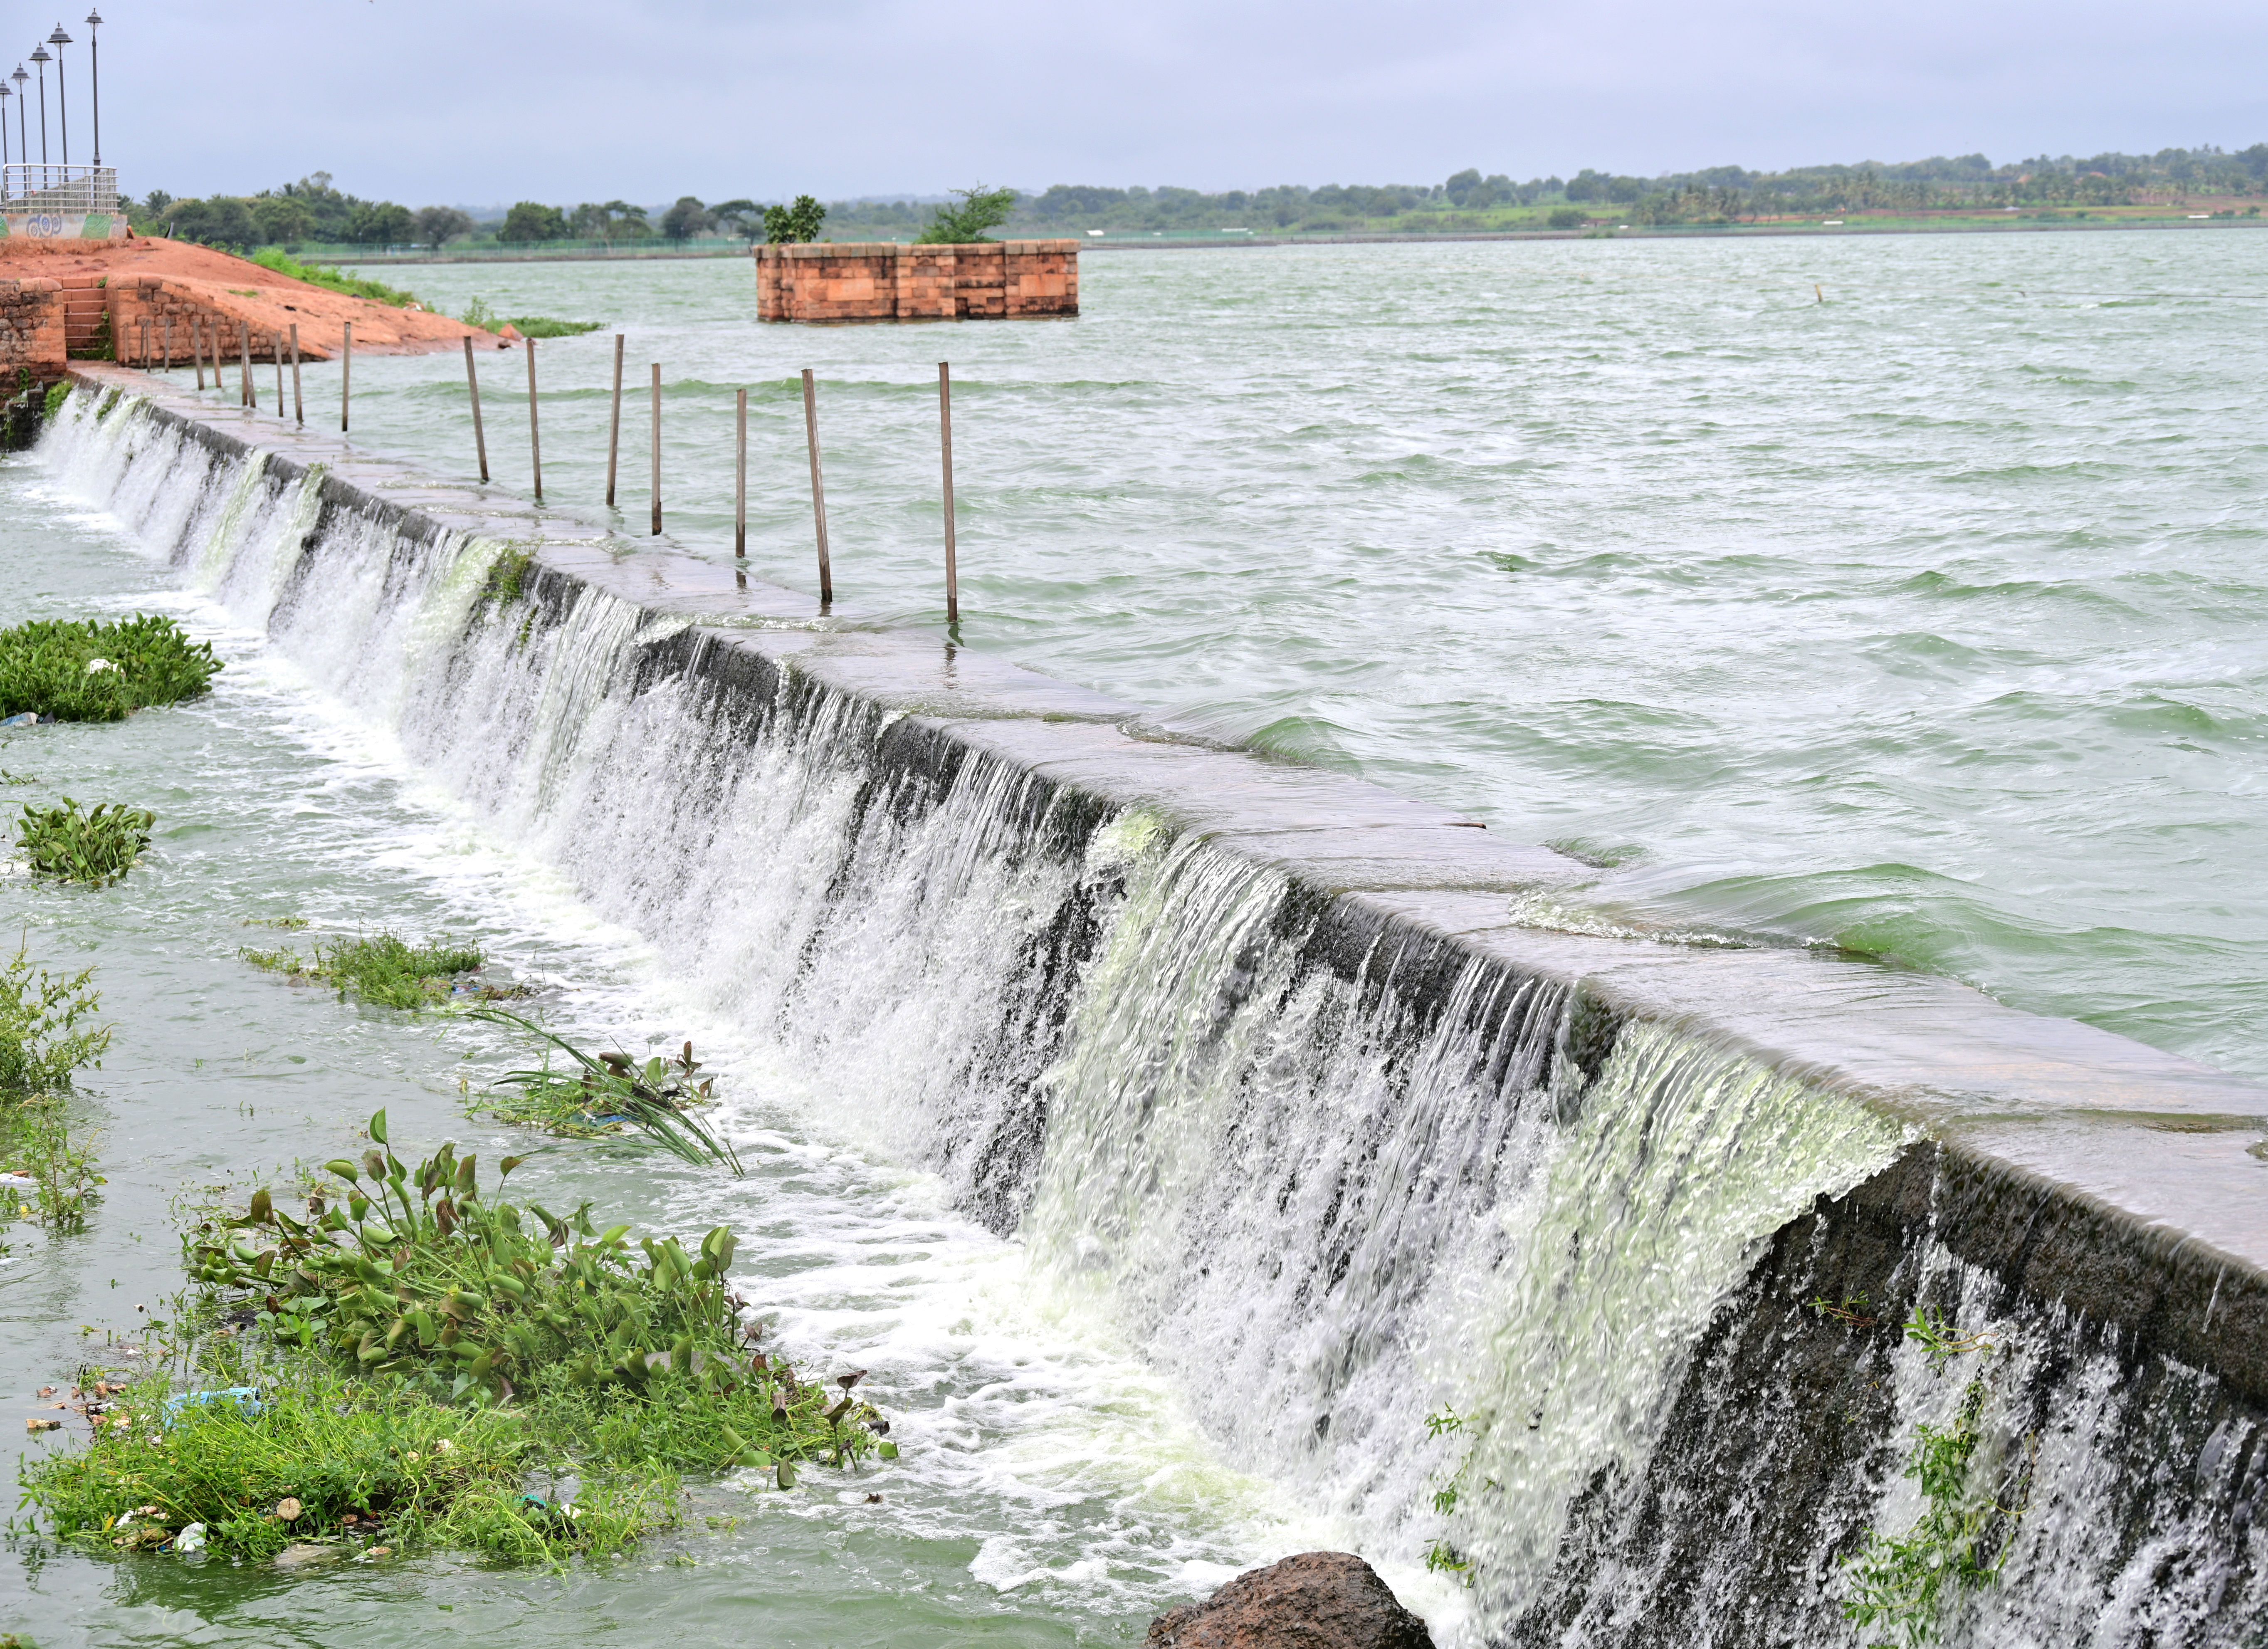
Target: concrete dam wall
point(1579, 1260)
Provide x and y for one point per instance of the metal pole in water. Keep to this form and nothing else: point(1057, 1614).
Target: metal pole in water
point(740, 476)
point(945, 428)
point(251, 395)
point(473, 384)
point(535, 440)
point(346, 374)
point(169, 343)
point(197, 349)
point(615, 429)
point(656, 447)
point(818, 488)
point(298, 407)
point(275, 348)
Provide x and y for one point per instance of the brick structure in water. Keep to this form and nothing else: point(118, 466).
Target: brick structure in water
point(852, 280)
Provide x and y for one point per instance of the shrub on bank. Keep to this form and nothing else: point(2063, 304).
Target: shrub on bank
point(44, 1043)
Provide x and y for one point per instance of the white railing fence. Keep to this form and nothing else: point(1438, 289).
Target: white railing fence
point(35, 187)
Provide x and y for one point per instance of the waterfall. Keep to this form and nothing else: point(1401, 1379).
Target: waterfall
point(1473, 1272)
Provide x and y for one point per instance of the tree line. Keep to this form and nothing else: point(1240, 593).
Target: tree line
point(315, 210)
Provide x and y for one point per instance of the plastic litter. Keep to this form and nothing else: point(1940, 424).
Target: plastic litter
point(28, 718)
point(191, 1540)
point(247, 1399)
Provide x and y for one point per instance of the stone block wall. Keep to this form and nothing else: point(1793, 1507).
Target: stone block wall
point(32, 330)
point(134, 299)
point(856, 281)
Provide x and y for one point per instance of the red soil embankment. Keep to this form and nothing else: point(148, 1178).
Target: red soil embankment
point(219, 289)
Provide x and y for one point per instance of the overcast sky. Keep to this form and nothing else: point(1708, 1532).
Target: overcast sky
point(487, 101)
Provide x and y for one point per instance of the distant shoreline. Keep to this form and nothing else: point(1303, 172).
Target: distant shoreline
point(1131, 240)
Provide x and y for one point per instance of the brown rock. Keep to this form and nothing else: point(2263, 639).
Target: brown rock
point(1319, 1599)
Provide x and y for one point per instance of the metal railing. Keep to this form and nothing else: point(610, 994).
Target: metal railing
point(31, 187)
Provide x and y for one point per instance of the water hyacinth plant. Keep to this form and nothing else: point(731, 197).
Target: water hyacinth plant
point(401, 1362)
point(96, 847)
point(76, 670)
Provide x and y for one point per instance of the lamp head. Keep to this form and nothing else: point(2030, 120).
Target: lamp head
point(39, 54)
point(93, 21)
point(59, 37)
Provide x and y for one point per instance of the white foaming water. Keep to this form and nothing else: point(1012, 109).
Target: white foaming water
point(1271, 1218)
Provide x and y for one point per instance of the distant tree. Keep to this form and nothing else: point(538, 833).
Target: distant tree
point(437, 225)
point(281, 220)
point(744, 218)
point(1567, 218)
point(688, 218)
point(528, 220)
point(616, 220)
point(223, 220)
point(787, 225)
point(980, 209)
point(381, 224)
point(1463, 186)
point(157, 201)
point(334, 211)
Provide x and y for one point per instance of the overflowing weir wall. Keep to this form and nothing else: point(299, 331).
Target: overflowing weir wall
point(1281, 1067)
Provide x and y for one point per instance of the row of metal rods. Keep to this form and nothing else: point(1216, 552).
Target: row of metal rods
point(739, 460)
point(247, 395)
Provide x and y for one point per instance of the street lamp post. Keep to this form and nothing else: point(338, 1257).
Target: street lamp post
point(39, 56)
point(5, 95)
point(94, 65)
point(23, 141)
point(59, 39)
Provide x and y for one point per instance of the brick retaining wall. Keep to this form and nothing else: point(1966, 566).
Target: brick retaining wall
point(31, 330)
point(856, 281)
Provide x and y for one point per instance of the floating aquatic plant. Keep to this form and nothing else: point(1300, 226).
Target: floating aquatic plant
point(397, 1364)
point(76, 670)
point(96, 847)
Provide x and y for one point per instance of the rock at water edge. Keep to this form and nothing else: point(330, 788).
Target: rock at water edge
point(1319, 1599)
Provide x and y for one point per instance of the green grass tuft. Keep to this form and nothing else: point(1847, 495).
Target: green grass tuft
point(386, 970)
point(508, 575)
point(81, 671)
point(545, 327)
point(354, 1463)
point(96, 847)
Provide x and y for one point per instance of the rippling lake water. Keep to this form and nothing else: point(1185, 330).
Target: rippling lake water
point(1925, 621)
